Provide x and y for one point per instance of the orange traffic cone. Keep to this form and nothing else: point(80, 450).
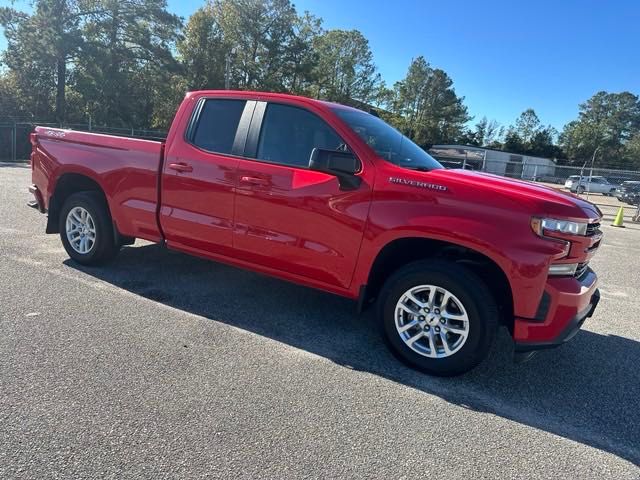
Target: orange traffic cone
point(619, 221)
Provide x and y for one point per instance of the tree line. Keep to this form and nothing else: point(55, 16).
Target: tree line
point(128, 63)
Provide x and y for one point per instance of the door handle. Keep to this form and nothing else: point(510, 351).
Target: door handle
point(254, 180)
point(181, 167)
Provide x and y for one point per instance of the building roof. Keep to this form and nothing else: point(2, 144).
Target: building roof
point(482, 149)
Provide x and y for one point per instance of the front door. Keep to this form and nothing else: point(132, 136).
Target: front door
point(199, 175)
point(288, 217)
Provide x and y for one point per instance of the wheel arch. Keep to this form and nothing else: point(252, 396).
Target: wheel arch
point(401, 251)
point(66, 185)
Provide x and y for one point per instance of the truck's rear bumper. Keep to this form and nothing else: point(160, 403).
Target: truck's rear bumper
point(38, 201)
point(567, 303)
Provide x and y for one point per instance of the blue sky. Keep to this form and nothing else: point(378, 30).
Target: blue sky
point(503, 56)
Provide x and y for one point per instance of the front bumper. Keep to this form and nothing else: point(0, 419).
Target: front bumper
point(567, 303)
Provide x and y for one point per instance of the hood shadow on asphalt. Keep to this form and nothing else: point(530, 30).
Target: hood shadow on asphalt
point(586, 390)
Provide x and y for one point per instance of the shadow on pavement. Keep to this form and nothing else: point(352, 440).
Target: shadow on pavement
point(587, 391)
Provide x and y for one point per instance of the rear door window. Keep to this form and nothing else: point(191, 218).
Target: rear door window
point(217, 124)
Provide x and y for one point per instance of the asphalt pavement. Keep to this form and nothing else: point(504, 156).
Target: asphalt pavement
point(161, 365)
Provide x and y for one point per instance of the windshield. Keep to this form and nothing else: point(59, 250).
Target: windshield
point(387, 142)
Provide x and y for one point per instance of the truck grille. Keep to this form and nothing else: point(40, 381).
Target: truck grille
point(592, 229)
point(581, 270)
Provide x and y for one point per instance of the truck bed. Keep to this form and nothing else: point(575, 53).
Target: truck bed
point(125, 168)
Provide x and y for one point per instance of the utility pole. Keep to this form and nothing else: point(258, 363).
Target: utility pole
point(227, 68)
point(591, 170)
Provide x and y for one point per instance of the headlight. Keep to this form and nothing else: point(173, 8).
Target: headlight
point(539, 225)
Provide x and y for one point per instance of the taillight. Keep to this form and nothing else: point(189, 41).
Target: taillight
point(33, 138)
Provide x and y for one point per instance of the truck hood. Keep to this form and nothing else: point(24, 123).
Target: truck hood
point(537, 198)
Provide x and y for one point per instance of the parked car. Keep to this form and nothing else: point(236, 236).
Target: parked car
point(333, 198)
point(629, 192)
point(549, 179)
point(618, 178)
point(592, 184)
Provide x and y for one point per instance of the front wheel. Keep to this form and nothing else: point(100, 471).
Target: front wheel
point(86, 230)
point(580, 190)
point(438, 316)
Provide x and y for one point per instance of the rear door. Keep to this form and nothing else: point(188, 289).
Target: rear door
point(198, 179)
point(288, 217)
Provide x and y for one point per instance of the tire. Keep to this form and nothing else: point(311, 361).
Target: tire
point(580, 190)
point(100, 243)
point(466, 289)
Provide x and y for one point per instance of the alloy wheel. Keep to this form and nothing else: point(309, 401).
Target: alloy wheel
point(80, 230)
point(432, 321)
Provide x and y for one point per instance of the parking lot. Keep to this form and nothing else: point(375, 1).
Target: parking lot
point(167, 366)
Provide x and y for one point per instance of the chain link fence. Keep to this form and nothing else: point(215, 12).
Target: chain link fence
point(14, 136)
point(546, 173)
point(603, 189)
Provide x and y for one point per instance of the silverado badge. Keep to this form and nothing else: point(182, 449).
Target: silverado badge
point(417, 183)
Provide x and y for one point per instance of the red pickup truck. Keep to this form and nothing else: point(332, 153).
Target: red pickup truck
point(333, 198)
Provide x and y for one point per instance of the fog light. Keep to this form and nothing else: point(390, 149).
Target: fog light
point(568, 269)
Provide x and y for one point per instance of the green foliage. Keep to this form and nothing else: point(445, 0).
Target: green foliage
point(129, 63)
point(609, 122)
point(108, 56)
point(202, 51)
point(345, 70)
point(527, 126)
point(631, 153)
point(127, 58)
point(12, 102)
point(301, 57)
point(39, 49)
point(426, 107)
point(486, 133)
point(529, 137)
point(260, 32)
point(265, 43)
point(513, 142)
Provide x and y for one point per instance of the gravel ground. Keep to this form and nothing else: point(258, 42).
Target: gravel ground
point(165, 366)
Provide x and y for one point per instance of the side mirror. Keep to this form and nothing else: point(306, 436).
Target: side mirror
point(343, 165)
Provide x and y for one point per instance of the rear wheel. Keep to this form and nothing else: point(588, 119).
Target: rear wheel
point(86, 230)
point(438, 316)
point(580, 189)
